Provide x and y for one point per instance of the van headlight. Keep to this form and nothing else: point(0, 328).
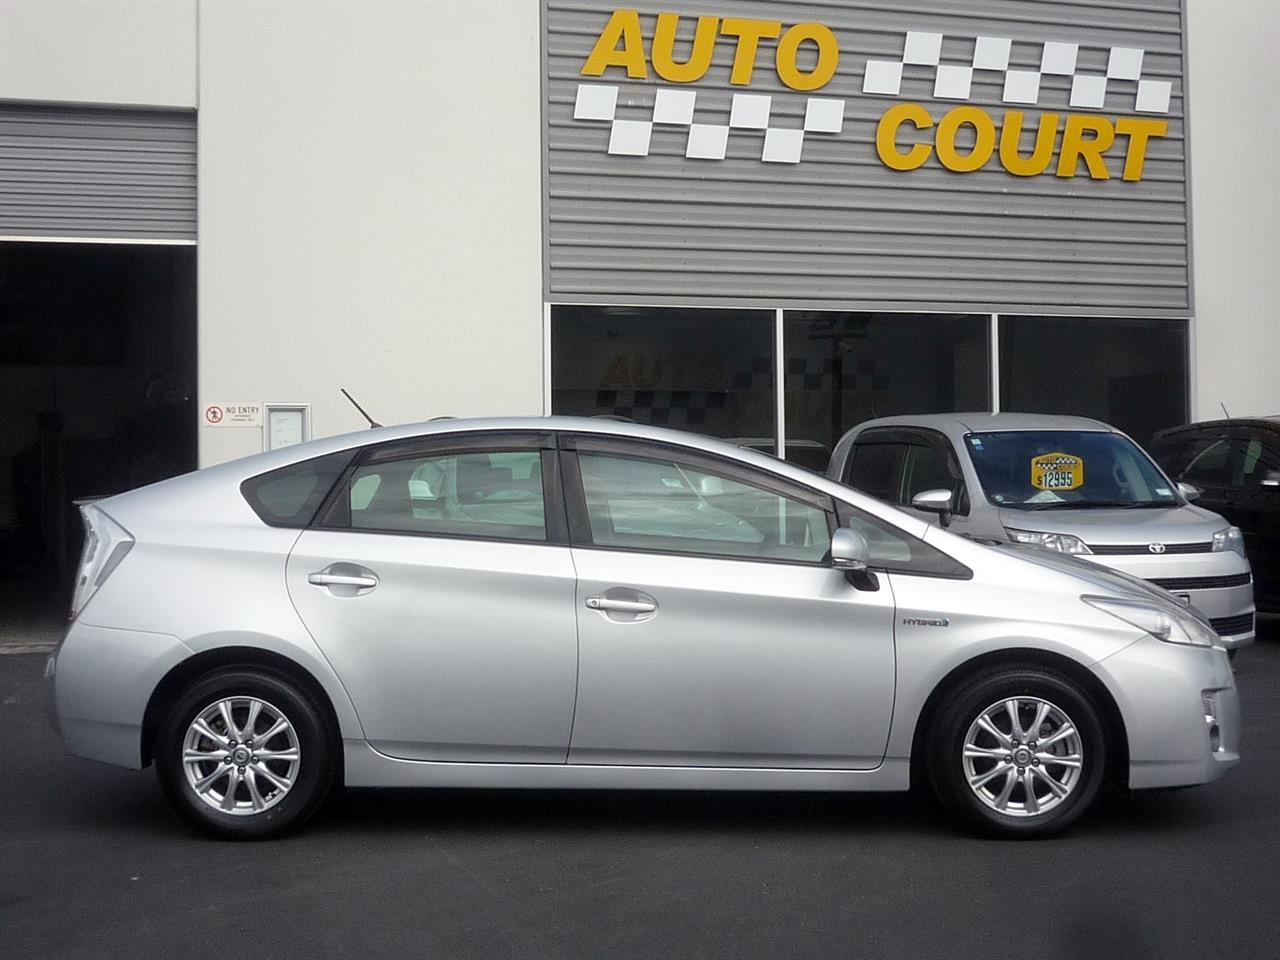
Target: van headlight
point(1058, 542)
point(1158, 621)
point(1229, 539)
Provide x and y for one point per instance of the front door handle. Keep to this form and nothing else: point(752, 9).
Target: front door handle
point(622, 606)
point(342, 580)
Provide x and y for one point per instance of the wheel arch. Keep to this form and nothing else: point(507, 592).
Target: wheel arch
point(180, 676)
point(1113, 719)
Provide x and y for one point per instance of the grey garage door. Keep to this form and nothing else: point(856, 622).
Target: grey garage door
point(97, 173)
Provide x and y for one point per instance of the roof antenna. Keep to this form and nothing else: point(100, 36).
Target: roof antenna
point(1224, 409)
point(373, 424)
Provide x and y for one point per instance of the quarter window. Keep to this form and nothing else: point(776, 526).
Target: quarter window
point(491, 495)
point(658, 504)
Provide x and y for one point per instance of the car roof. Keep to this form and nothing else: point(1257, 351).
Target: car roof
point(1268, 423)
point(984, 422)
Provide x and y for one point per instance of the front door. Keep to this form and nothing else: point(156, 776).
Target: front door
point(436, 587)
point(712, 631)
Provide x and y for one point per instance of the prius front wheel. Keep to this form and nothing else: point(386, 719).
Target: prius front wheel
point(245, 754)
point(1018, 752)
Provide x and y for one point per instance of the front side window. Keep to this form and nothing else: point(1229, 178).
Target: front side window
point(491, 495)
point(658, 504)
point(1259, 459)
point(1066, 470)
point(1211, 467)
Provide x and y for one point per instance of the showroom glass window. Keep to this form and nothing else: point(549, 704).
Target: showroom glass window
point(844, 368)
point(1130, 373)
point(708, 371)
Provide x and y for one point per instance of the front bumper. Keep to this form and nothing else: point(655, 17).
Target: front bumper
point(1181, 711)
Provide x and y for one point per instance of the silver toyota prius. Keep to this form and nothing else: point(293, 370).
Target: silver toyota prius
point(559, 602)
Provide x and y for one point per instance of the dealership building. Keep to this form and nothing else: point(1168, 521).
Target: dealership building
point(758, 220)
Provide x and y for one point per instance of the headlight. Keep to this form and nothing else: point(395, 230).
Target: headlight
point(1157, 621)
point(1229, 539)
point(1060, 542)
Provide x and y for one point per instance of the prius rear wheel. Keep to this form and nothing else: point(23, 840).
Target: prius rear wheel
point(1019, 751)
point(245, 754)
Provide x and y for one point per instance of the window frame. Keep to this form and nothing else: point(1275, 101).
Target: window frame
point(576, 499)
point(556, 532)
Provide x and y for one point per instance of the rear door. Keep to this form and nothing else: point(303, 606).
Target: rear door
point(712, 629)
point(439, 584)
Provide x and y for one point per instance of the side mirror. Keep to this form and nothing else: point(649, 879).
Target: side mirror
point(850, 553)
point(1271, 479)
point(849, 550)
point(1190, 493)
point(934, 501)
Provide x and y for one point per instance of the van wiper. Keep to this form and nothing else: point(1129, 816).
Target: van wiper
point(1086, 505)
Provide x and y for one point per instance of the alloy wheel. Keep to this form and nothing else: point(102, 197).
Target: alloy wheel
point(241, 755)
point(1022, 757)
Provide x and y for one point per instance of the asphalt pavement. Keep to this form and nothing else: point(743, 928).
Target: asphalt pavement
point(93, 864)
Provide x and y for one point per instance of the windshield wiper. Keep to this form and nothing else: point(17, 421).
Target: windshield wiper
point(1094, 505)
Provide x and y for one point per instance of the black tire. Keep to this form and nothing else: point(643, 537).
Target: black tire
point(959, 712)
point(317, 761)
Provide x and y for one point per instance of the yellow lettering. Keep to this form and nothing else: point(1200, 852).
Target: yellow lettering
point(828, 56)
point(984, 142)
point(1138, 131)
point(749, 34)
point(1075, 146)
point(664, 42)
point(887, 137)
point(624, 27)
point(1041, 155)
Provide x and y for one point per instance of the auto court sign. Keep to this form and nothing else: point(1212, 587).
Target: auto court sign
point(908, 135)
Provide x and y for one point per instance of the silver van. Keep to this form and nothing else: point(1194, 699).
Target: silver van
point(1069, 484)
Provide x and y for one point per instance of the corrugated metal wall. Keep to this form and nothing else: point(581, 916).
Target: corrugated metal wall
point(840, 228)
point(97, 173)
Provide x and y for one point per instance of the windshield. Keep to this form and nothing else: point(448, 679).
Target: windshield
point(1066, 470)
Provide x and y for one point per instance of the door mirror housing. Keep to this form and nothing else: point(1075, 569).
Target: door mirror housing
point(849, 550)
point(934, 501)
point(851, 554)
point(1271, 479)
point(1190, 493)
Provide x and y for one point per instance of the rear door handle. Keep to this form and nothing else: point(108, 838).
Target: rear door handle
point(342, 580)
point(623, 606)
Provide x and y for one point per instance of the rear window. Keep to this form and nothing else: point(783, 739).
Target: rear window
point(290, 496)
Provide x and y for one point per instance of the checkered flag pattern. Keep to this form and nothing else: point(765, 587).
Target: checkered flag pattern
point(706, 141)
point(952, 81)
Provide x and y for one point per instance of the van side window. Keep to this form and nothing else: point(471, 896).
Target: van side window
point(874, 469)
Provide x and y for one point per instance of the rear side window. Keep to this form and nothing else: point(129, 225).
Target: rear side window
point(495, 495)
point(290, 496)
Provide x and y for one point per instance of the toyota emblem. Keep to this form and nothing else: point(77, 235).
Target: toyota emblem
point(1156, 547)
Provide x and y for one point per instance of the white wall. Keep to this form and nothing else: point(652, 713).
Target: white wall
point(137, 52)
point(369, 210)
point(1235, 151)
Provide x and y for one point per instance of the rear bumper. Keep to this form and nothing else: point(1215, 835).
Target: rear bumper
point(101, 680)
point(1181, 712)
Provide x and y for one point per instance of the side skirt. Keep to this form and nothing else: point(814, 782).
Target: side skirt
point(365, 767)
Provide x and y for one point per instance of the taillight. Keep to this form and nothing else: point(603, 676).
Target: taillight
point(106, 543)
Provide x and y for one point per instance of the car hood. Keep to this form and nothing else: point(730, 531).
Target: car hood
point(1183, 524)
point(1095, 578)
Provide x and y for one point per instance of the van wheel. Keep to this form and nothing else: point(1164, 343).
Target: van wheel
point(1018, 751)
point(245, 754)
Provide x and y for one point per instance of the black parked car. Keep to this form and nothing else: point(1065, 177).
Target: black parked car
point(1236, 466)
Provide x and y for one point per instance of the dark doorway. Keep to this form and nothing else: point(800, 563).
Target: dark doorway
point(97, 396)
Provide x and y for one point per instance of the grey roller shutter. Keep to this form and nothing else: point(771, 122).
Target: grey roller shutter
point(841, 229)
point(97, 173)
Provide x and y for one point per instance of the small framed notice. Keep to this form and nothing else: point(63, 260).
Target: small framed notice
point(286, 424)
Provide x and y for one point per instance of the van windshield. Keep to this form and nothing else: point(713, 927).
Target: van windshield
point(1066, 470)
